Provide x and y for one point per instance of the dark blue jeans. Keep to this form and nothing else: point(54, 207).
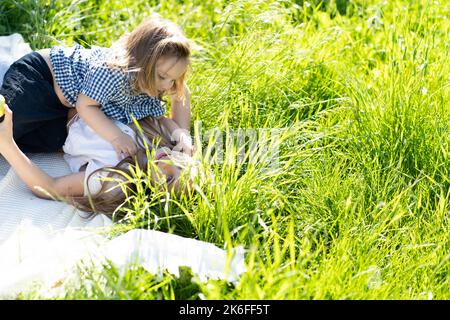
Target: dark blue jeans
point(39, 117)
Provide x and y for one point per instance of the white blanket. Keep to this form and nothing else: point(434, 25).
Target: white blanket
point(18, 204)
point(43, 240)
point(12, 47)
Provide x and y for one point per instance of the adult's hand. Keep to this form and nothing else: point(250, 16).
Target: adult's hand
point(6, 133)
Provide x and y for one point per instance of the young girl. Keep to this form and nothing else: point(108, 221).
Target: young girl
point(92, 159)
point(46, 88)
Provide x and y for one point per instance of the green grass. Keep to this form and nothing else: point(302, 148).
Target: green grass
point(357, 206)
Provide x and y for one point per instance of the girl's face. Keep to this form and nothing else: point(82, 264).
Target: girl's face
point(169, 168)
point(168, 70)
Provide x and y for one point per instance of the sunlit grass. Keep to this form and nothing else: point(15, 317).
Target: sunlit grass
point(355, 205)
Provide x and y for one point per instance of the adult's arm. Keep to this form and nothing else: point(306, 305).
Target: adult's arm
point(39, 182)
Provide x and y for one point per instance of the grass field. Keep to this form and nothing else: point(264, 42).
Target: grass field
point(346, 194)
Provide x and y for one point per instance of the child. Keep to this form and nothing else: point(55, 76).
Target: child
point(44, 89)
point(91, 159)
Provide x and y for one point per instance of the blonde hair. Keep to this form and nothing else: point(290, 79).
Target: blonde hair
point(139, 51)
point(107, 202)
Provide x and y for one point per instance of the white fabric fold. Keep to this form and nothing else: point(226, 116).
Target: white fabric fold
point(33, 257)
point(12, 47)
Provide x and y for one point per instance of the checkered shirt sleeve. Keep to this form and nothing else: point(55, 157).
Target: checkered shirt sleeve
point(102, 84)
point(108, 87)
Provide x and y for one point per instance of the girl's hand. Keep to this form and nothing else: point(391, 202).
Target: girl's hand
point(184, 147)
point(6, 133)
point(124, 144)
point(184, 143)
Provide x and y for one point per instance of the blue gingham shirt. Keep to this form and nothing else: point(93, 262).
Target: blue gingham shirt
point(79, 70)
